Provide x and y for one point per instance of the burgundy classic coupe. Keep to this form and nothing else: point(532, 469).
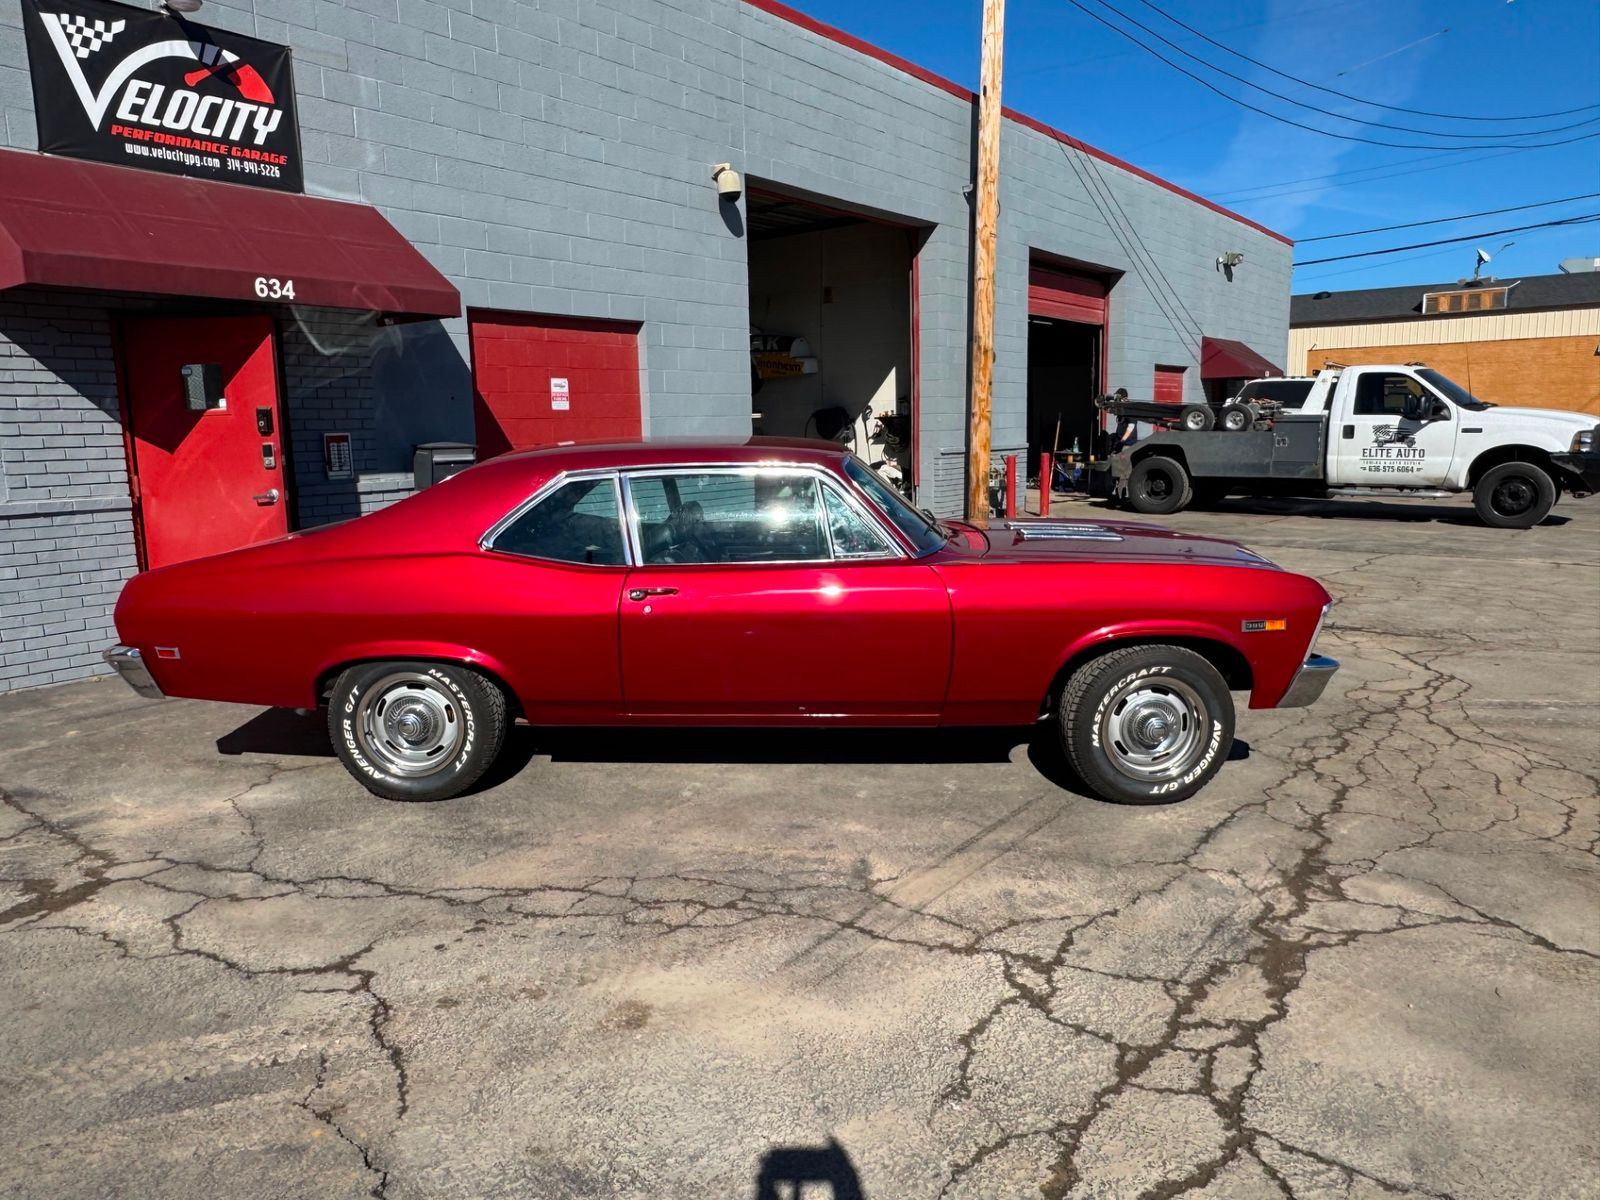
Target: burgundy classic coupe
point(765, 582)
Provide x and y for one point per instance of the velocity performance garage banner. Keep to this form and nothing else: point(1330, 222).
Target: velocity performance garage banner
point(149, 89)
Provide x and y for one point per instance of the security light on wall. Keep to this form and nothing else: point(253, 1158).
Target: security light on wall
point(729, 186)
point(1228, 260)
point(182, 6)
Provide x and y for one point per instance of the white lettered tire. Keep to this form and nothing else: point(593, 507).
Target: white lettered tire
point(1146, 724)
point(416, 730)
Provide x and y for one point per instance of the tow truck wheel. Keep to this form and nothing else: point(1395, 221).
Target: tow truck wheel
point(1159, 485)
point(1514, 495)
point(1235, 417)
point(1196, 418)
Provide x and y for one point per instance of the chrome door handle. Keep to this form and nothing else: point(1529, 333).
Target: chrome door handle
point(642, 593)
point(267, 498)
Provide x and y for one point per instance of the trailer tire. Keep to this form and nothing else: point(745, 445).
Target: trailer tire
point(1235, 418)
point(1196, 418)
point(1159, 485)
point(1514, 495)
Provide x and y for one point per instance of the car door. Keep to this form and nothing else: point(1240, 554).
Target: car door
point(771, 595)
point(1377, 445)
point(551, 578)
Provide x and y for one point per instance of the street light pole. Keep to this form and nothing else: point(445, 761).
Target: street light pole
point(984, 233)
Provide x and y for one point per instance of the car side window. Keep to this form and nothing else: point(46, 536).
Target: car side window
point(579, 522)
point(853, 536)
point(1380, 395)
point(728, 517)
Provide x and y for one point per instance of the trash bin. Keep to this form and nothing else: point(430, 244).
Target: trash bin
point(437, 461)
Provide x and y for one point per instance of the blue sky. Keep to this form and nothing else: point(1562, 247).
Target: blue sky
point(1477, 57)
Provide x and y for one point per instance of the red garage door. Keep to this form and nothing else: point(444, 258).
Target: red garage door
point(1169, 385)
point(543, 381)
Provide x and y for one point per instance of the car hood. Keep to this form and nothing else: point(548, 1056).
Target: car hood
point(1555, 422)
point(1046, 540)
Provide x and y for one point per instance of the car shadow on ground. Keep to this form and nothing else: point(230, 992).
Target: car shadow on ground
point(296, 733)
point(1413, 511)
point(794, 1171)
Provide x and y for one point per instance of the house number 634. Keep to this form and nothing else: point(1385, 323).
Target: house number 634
point(274, 289)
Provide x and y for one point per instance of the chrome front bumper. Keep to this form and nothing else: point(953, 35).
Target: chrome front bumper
point(1309, 681)
point(129, 663)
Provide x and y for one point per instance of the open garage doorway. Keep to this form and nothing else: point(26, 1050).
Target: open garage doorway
point(1066, 366)
point(1063, 381)
point(833, 328)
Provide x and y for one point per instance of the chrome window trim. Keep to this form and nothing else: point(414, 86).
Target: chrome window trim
point(823, 478)
point(860, 509)
point(550, 486)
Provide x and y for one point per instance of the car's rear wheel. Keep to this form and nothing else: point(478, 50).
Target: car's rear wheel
point(1159, 485)
point(1146, 725)
point(416, 730)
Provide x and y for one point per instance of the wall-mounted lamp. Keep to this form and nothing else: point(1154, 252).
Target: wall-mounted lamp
point(729, 186)
point(1228, 260)
point(182, 6)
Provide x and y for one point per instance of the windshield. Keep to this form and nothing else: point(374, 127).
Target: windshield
point(918, 530)
point(1452, 390)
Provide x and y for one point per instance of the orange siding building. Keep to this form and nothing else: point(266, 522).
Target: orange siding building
point(1532, 342)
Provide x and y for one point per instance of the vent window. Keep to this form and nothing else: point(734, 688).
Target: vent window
point(1464, 301)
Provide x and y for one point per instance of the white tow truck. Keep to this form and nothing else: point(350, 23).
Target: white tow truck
point(1402, 430)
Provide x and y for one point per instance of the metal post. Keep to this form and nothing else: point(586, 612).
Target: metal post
point(1011, 485)
point(1047, 465)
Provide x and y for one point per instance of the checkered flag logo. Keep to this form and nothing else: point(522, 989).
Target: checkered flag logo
point(1382, 433)
point(86, 36)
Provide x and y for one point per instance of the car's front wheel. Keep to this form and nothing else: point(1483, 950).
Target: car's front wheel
point(416, 730)
point(1147, 724)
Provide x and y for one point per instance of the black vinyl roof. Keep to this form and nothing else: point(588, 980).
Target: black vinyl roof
point(1530, 293)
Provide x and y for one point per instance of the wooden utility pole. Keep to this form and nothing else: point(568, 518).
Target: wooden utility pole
point(988, 219)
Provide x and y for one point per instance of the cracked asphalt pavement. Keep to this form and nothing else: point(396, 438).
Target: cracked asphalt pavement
point(1364, 962)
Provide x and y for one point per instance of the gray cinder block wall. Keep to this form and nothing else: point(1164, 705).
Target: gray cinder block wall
point(554, 156)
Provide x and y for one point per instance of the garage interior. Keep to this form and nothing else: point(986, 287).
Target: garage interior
point(832, 330)
point(1063, 380)
point(1067, 310)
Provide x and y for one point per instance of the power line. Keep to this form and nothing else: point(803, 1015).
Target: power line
point(1416, 112)
point(1346, 137)
point(1469, 237)
point(1522, 133)
point(1490, 212)
point(1385, 170)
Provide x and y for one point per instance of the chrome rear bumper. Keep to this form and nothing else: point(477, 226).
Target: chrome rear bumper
point(1309, 681)
point(129, 663)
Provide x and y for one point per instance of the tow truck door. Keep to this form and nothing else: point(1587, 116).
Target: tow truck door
point(1373, 444)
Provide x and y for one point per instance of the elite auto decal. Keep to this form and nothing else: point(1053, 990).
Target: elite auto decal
point(149, 89)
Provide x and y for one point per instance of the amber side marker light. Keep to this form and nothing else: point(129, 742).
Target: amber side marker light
point(1273, 625)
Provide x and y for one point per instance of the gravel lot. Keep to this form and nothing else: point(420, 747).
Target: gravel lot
point(1364, 962)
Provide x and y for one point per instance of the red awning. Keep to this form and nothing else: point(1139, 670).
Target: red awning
point(71, 224)
point(1224, 359)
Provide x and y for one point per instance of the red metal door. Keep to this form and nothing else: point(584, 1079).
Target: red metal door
point(205, 481)
point(545, 381)
point(1169, 385)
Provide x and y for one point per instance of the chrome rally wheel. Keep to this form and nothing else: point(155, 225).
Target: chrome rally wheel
point(416, 730)
point(410, 725)
point(1154, 729)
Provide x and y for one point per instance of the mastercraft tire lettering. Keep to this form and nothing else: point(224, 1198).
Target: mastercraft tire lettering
point(417, 730)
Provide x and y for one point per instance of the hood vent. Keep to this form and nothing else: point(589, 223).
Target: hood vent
point(1061, 531)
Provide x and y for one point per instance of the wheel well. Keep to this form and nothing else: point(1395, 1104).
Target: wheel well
point(1504, 454)
point(513, 705)
point(1230, 664)
point(1160, 451)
